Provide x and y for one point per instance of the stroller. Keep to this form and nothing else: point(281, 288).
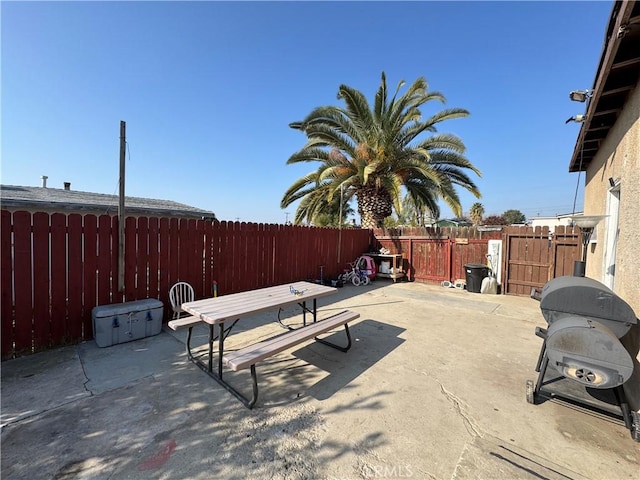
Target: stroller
point(360, 272)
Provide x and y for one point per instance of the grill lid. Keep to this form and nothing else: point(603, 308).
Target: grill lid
point(583, 296)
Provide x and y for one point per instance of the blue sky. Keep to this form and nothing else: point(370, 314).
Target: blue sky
point(208, 89)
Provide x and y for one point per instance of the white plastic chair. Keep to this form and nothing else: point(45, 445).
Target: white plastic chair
point(180, 293)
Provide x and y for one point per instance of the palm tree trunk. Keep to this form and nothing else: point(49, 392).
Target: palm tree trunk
point(374, 205)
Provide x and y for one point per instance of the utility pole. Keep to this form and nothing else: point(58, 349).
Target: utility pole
point(340, 225)
point(121, 217)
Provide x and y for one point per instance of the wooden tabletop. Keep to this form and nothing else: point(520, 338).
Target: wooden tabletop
point(244, 304)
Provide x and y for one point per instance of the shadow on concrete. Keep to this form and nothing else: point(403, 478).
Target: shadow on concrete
point(318, 370)
point(372, 341)
point(177, 423)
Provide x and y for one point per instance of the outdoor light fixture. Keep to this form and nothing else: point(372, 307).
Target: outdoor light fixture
point(576, 118)
point(580, 95)
point(586, 223)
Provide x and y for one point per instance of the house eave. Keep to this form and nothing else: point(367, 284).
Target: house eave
point(617, 75)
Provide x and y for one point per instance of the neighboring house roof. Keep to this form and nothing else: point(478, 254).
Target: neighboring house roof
point(618, 73)
point(451, 223)
point(552, 221)
point(15, 197)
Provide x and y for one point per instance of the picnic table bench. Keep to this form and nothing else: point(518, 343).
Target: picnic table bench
point(231, 308)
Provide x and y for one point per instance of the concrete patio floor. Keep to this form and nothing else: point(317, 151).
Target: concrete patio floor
point(433, 388)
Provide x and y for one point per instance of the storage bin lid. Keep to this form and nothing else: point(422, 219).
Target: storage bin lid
point(126, 307)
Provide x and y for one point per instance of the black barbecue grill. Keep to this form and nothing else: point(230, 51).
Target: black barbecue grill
point(588, 298)
point(582, 344)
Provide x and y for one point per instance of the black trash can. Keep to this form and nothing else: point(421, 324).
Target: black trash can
point(474, 274)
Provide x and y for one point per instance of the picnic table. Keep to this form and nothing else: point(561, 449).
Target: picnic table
point(225, 311)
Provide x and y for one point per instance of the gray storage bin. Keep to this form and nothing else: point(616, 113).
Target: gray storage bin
point(125, 322)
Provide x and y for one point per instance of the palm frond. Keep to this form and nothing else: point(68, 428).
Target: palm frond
point(380, 105)
point(357, 106)
point(447, 114)
point(308, 155)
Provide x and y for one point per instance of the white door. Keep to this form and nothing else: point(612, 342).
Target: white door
point(494, 255)
point(611, 238)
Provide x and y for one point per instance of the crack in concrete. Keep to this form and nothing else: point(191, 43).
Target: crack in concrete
point(469, 423)
point(84, 372)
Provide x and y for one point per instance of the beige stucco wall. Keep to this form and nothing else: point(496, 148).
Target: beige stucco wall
point(619, 158)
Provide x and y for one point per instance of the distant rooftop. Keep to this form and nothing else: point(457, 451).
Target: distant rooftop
point(67, 201)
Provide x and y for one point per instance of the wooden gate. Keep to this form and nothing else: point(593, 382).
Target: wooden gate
point(533, 256)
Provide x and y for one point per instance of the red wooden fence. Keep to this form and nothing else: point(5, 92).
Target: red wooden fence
point(56, 268)
point(432, 255)
point(530, 256)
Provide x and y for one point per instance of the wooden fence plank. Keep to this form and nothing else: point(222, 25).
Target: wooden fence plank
point(59, 275)
point(198, 259)
point(207, 255)
point(234, 251)
point(221, 259)
point(90, 254)
point(270, 231)
point(117, 295)
point(75, 280)
point(41, 282)
point(104, 260)
point(240, 257)
point(184, 254)
point(6, 285)
point(259, 253)
point(142, 259)
point(217, 258)
point(279, 240)
point(535, 256)
point(163, 264)
point(22, 275)
point(154, 235)
point(235, 240)
point(195, 264)
point(130, 254)
point(253, 272)
point(520, 268)
point(174, 251)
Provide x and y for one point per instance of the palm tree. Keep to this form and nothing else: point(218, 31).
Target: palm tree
point(373, 153)
point(476, 213)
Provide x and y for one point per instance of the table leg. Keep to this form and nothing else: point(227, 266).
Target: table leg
point(303, 305)
point(304, 314)
point(210, 366)
point(220, 348)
